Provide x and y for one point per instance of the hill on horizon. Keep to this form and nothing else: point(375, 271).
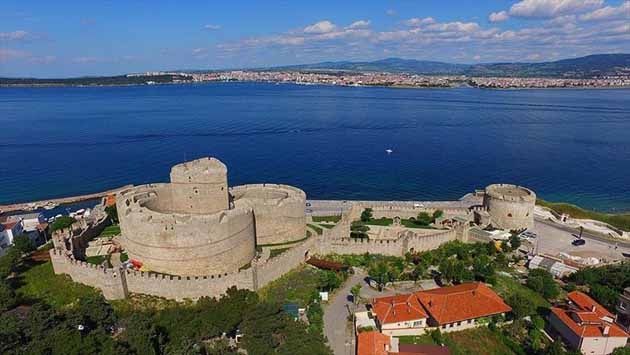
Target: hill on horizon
point(581, 67)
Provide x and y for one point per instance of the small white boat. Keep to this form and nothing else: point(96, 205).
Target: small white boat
point(389, 151)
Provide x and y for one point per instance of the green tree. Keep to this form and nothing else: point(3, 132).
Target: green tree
point(483, 268)
point(93, 312)
point(61, 223)
point(542, 281)
point(605, 295)
point(355, 291)
point(521, 305)
point(12, 337)
point(515, 242)
point(112, 213)
point(621, 351)
point(437, 214)
point(380, 273)
point(7, 297)
point(424, 219)
point(366, 215)
point(23, 244)
point(329, 280)
point(144, 336)
point(8, 262)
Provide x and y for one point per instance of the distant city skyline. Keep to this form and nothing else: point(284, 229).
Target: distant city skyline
point(72, 38)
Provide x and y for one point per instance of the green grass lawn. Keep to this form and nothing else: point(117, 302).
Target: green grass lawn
point(410, 224)
point(317, 229)
point(40, 282)
point(507, 286)
point(276, 252)
point(299, 286)
point(380, 222)
point(327, 226)
point(333, 219)
point(470, 341)
point(111, 231)
point(621, 221)
point(98, 260)
point(416, 339)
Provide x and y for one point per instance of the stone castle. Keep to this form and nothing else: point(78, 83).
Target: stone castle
point(196, 226)
point(198, 237)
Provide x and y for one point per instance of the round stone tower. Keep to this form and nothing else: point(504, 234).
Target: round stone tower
point(510, 207)
point(199, 187)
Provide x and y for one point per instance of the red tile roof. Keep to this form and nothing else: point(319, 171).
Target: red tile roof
point(399, 308)
point(587, 318)
point(462, 302)
point(372, 343)
point(9, 225)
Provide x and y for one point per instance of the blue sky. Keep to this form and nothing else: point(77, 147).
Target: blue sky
point(71, 38)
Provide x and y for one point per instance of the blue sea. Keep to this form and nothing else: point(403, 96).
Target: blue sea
point(567, 145)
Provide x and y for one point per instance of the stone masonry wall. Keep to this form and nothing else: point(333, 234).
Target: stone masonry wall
point(109, 281)
point(184, 244)
point(278, 211)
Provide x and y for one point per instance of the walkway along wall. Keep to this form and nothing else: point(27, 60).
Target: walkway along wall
point(118, 283)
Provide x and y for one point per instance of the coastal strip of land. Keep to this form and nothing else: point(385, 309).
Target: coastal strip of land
point(59, 201)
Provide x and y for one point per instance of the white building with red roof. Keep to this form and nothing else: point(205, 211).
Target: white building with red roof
point(399, 315)
point(461, 306)
point(587, 326)
point(449, 308)
point(8, 231)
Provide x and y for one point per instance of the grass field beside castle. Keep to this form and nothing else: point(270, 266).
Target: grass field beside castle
point(466, 342)
point(39, 281)
point(621, 221)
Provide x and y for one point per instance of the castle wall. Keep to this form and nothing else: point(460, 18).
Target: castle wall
point(187, 245)
point(408, 212)
point(199, 187)
point(278, 211)
point(275, 267)
point(181, 287)
point(108, 281)
point(510, 207)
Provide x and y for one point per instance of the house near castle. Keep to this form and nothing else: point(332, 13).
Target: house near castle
point(587, 326)
point(399, 315)
point(461, 306)
point(450, 308)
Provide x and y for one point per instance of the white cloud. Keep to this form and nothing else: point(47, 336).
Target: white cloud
point(14, 36)
point(534, 56)
point(359, 24)
point(86, 60)
point(552, 8)
point(608, 13)
point(10, 54)
point(477, 57)
point(390, 12)
point(320, 27)
point(415, 22)
point(211, 27)
point(498, 16)
point(456, 26)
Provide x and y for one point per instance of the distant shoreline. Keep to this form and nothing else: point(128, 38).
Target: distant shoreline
point(25, 206)
point(54, 85)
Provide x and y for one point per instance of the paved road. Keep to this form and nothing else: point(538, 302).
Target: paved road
point(334, 207)
point(336, 314)
point(554, 239)
point(585, 235)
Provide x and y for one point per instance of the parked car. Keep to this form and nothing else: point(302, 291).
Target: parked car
point(578, 242)
point(528, 235)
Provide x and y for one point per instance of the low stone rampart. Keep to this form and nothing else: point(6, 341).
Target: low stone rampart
point(108, 280)
point(278, 211)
